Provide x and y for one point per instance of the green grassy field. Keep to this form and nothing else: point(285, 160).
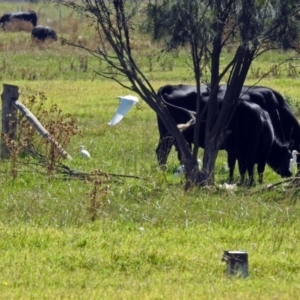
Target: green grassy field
point(132, 238)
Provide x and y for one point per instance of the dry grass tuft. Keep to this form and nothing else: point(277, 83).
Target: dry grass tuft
point(16, 25)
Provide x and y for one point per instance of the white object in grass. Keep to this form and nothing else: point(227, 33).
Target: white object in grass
point(293, 161)
point(84, 153)
point(226, 186)
point(180, 170)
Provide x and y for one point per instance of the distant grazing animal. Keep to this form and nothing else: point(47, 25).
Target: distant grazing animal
point(285, 124)
point(252, 141)
point(42, 33)
point(84, 153)
point(27, 16)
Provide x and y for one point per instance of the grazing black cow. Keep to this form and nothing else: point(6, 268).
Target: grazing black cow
point(27, 16)
point(182, 96)
point(252, 141)
point(285, 124)
point(42, 33)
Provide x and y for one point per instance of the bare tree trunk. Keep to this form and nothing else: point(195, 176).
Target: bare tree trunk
point(216, 136)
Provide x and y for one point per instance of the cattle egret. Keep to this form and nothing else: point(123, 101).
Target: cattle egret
point(180, 170)
point(226, 186)
point(84, 153)
point(126, 102)
point(293, 161)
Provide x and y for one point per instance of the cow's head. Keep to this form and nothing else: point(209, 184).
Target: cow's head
point(284, 156)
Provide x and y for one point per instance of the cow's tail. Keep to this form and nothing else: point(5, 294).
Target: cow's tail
point(190, 113)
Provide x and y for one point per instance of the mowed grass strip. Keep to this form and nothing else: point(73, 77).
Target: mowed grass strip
point(124, 261)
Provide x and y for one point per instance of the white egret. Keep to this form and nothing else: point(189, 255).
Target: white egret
point(293, 161)
point(126, 102)
point(84, 153)
point(226, 186)
point(180, 170)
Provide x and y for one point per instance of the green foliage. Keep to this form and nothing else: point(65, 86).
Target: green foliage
point(294, 104)
point(178, 23)
point(269, 23)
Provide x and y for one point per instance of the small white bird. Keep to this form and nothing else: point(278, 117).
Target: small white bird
point(126, 102)
point(84, 153)
point(293, 161)
point(226, 186)
point(180, 170)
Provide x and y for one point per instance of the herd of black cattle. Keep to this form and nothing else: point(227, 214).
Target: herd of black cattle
point(38, 32)
point(263, 129)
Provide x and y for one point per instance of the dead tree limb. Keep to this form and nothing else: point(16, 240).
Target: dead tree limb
point(294, 181)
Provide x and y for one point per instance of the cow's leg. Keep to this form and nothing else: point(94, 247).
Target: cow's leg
point(250, 169)
point(260, 170)
point(298, 156)
point(231, 159)
point(178, 152)
point(163, 149)
point(242, 170)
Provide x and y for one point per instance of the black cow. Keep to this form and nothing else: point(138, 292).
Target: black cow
point(182, 96)
point(42, 33)
point(252, 141)
point(27, 16)
point(285, 124)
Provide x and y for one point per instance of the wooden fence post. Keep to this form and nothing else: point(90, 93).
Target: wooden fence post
point(10, 105)
point(9, 119)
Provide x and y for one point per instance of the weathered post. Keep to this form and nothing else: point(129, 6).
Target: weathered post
point(236, 263)
point(9, 119)
point(10, 106)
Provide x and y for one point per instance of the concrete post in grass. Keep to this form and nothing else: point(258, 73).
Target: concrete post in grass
point(9, 116)
point(236, 263)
